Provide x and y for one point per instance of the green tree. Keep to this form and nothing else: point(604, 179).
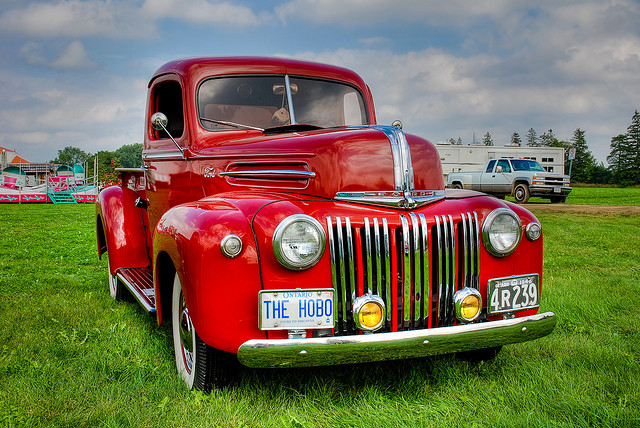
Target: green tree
point(130, 155)
point(71, 155)
point(624, 158)
point(548, 139)
point(107, 163)
point(532, 138)
point(515, 139)
point(487, 140)
point(584, 163)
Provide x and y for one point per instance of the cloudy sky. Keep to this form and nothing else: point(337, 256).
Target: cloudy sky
point(74, 73)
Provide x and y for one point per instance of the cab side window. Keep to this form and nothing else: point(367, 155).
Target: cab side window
point(505, 165)
point(490, 166)
point(168, 100)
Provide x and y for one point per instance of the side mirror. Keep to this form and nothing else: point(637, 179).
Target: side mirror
point(499, 169)
point(396, 123)
point(159, 121)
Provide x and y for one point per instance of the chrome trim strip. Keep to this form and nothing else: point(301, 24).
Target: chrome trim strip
point(402, 167)
point(451, 288)
point(168, 155)
point(378, 257)
point(334, 271)
point(417, 274)
point(343, 278)
point(325, 351)
point(406, 273)
point(466, 255)
point(287, 85)
point(387, 266)
point(369, 255)
point(405, 200)
point(476, 276)
point(270, 174)
point(352, 261)
point(425, 268)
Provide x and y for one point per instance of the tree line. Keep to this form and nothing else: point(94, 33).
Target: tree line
point(623, 159)
point(127, 156)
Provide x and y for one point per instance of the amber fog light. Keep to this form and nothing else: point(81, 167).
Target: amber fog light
point(468, 303)
point(368, 312)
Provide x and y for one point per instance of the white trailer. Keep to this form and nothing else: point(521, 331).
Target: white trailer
point(458, 158)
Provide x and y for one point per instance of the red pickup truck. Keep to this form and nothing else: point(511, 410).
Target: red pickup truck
point(275, 224)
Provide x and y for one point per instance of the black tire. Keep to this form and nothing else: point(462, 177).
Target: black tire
point(521, 193)
point(457, 186)
point(478, 355)
point(200, 366)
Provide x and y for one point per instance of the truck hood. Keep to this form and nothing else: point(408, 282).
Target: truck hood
point(375, 164)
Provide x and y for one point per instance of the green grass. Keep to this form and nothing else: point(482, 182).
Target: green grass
point(616, 196)
point(72, 356)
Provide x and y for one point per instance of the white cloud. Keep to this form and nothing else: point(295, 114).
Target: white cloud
point(201, 11)
point(74, 56)
point(75, 18)
point(373, 12)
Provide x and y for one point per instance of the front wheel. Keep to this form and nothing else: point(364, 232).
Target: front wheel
point(199, 365)
point(521, 193)
point(116, 288)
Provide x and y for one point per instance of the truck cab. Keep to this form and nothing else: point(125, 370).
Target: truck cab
point(274, 223)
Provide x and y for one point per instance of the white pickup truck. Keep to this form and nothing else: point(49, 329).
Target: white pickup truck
point(520, 178)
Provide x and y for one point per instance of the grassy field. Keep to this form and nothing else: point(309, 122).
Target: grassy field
point(71, 356)
point(598, 196)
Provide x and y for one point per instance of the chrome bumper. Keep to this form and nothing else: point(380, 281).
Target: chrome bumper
point(326, 351)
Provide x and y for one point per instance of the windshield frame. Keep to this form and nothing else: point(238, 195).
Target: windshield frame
point(518, 163)
point(290, 100)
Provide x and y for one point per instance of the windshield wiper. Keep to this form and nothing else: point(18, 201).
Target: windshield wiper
point(232, 124)
point(297, 127)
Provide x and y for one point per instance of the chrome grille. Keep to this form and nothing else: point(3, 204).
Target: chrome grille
point(413, 263)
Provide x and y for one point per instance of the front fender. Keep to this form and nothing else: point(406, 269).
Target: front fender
point(220, 292)
point(121, 228)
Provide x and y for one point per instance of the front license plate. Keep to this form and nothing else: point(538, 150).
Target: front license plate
point(296, 309)
point(514, 293)
point(557, 189)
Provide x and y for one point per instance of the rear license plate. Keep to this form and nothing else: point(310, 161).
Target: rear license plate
point(296, 309)
point(514, 293)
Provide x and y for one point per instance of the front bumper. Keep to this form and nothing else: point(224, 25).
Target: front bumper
point(547, 190)
point(326, 351)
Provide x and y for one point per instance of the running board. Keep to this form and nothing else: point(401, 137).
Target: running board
point(139, 281)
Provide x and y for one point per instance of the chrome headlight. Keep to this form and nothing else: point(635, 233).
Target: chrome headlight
point(299, 241)
point(501, 232)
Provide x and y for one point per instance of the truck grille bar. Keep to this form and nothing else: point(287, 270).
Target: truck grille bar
point(413, 263)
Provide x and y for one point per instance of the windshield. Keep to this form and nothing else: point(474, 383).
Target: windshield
point(261, 102)
point(526, 165)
